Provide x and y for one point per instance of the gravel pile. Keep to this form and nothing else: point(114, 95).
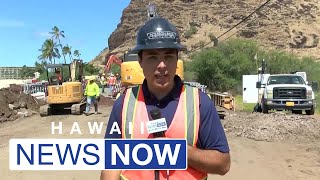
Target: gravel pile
point(273, 127)
point(15, 104)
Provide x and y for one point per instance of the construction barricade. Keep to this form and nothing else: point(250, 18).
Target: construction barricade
point(224, 100)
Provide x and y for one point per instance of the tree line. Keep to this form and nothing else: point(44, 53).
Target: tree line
point(52, 49)
point(221, 67)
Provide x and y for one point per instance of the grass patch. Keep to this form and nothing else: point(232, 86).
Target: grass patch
point(241, 106)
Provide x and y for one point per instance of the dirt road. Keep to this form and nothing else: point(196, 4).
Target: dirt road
point(251, 159)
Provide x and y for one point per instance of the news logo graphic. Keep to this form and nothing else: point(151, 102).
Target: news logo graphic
point(153, 154)
point(56, 154)
point(98, 154)
point(156, 126)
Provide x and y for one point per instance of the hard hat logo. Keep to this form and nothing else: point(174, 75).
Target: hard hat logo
point(158, 33)
point(162, 35)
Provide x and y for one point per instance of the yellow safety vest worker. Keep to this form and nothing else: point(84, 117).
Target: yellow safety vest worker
point(185, 124)
point(92, 89)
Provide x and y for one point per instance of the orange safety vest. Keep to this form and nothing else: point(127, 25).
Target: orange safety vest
point(185, 124)
point(59, 77)
point(112, 81)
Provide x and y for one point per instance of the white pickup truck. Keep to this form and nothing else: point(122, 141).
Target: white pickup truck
point(287, 92)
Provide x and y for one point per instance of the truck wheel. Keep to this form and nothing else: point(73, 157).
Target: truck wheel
point(310, 112)
point(264, 107)
point(257, 108)
point(265, 110)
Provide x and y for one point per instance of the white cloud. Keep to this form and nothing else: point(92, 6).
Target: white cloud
point(44, 34)
point(5, 23)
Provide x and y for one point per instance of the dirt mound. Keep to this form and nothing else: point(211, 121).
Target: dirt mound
point(273, 127)
point(14, 103)
point(105, 101)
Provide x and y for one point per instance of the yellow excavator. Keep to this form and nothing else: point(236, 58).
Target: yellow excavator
point(132, 74)
point(65, 89)
point(130, 71)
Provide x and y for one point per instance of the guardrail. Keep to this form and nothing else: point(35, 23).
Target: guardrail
point(203, 88)
point(224, 100)
point(35, 88)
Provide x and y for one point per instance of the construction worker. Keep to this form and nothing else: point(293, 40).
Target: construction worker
point(118, 77)
point(92, 94)
point(112, 83)
point(103, 82)
point(59, 76)
point(186, 109)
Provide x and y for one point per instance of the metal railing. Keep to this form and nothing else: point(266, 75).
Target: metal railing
point(35, 87)
point(203, 88)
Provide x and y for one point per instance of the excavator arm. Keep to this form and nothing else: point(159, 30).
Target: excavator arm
point(112, 59)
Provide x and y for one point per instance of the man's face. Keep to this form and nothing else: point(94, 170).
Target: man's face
point(159, 67)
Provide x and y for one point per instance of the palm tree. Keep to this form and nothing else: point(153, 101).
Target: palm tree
point(76, 53)
point(70, 53)
point(56, 34)
point(49, 51)
point(66, 50)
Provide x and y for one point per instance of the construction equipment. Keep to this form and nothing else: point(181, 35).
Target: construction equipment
point(112, 59)
point(131, 72)
point(65, 89)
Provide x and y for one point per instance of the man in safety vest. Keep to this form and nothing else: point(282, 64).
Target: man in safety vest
point(103, 82)
point(190, 113)
point(59, 76)
point(92, 93)
point(112, 83)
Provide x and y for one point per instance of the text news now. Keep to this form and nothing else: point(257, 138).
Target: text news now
point(98, 154)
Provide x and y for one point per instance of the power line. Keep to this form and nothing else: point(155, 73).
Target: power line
point(245, 18)
point(245, 26)
point(239, 22)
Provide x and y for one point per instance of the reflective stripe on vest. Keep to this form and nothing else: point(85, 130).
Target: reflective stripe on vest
point(185, 124)
point(112, 80)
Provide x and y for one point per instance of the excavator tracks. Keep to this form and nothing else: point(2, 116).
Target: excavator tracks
point(77, 109)
point(45, 111)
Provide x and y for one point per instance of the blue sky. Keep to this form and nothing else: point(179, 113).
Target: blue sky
point(24, 26)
